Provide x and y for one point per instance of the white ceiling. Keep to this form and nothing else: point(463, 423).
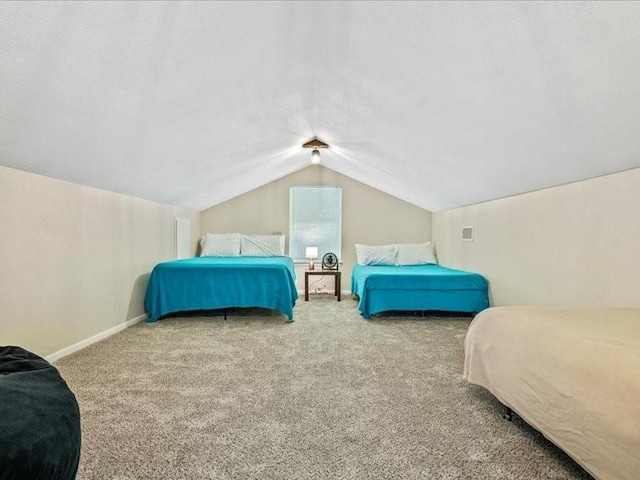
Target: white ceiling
point(440, 104)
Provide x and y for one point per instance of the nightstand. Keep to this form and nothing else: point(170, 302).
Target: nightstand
point(337, 274)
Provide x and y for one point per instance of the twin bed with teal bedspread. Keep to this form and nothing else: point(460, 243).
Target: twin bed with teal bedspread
point(384, 288)
point(209, 283)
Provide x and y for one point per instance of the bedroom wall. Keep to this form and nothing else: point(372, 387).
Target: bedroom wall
point(570, 245)
point(369, 216)
point(75, 259)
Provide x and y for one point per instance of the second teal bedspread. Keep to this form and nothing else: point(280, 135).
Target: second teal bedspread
point(418, 287)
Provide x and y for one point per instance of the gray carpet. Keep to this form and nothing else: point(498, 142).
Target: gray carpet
point(331, 396)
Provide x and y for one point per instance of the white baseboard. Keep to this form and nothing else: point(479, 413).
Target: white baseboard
point(96, 338)
point(328, 292)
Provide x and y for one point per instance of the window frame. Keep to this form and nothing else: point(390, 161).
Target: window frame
point(296, 251)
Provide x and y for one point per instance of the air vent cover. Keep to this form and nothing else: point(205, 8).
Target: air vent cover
point(467, 234)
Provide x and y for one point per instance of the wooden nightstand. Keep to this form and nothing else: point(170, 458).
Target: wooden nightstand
point(337, 274)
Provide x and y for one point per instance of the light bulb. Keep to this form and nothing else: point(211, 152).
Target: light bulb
point(315, 156)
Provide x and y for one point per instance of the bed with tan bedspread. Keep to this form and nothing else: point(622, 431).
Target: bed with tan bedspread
point(573, 374)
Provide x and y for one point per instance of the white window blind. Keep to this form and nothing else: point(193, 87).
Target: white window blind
point(315, 220)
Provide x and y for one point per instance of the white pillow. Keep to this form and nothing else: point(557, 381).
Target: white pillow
point(262, 245)
point(376, 255)
point(416, 254)
point(220, 245)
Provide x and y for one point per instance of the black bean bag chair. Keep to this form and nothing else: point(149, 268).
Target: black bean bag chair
point(39, 420)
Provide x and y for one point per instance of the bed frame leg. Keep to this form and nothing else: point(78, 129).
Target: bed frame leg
point(508, 414)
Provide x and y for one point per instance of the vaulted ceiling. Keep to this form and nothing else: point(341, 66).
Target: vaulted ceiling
point(441, 104)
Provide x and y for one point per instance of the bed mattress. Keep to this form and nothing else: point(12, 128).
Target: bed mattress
point(573, 374)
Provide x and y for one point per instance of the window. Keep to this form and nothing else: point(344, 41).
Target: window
point(315, 220)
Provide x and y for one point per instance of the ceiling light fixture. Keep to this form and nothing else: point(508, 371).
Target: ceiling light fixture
point(315, 145)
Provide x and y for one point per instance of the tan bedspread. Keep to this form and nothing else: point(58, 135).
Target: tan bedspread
point(573, 374)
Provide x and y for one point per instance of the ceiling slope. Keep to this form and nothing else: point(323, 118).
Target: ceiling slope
point(440, 104)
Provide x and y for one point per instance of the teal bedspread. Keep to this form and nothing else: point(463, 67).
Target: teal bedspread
point(207, 283)
point(417, 287)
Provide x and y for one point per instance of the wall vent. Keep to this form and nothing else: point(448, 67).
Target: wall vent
point(182, 238)
point(467, 234)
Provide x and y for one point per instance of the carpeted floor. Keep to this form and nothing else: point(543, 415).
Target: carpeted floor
point(330, 396)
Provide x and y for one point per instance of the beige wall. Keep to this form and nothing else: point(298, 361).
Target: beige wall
point(576, 244)
point(75, 260)
point(369, 216)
